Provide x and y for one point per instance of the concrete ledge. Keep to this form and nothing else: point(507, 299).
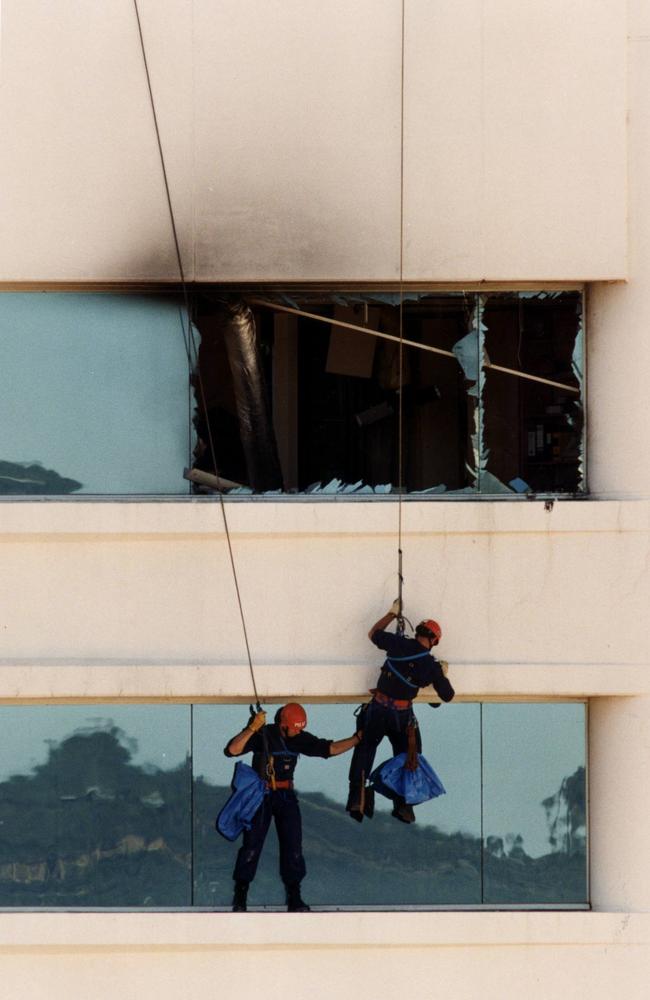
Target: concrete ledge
point(133, 681)
point(203, 517)
point(199, 931)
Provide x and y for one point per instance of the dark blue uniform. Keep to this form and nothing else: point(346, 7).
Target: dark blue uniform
point(407, 668)
point(280, 805)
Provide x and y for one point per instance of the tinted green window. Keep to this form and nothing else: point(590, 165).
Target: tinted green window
point(98, 809)
point(381, 862)
point(534, 803)
point(95, 394)
point(95, 806)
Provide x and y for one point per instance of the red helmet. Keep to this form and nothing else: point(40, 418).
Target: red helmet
point(293, 717)
point(429, 629)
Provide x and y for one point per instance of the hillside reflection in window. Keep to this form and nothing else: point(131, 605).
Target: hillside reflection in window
point(437, 861)
point(97, 809)
point(534, 803)
point(95, 806)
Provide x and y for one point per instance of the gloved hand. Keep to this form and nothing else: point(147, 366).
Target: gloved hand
point(257, 721)
point(396, 607)
point(445, 666)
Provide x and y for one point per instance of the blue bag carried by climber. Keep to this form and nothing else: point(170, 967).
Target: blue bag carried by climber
point(414, 785)
point(246, 798)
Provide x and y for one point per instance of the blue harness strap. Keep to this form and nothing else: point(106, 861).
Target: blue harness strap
point(403, 659)
point(400, 659)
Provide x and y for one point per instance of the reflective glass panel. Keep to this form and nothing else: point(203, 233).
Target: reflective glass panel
point(534, 803)
point(381, 862)
point(95, 806)
point(97, 809)
point(95, 394)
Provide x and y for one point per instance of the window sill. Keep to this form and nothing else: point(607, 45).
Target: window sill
point(200, 931)
point(202, 516)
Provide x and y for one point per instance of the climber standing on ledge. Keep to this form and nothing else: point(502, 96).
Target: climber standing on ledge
point(408, 667)
point(279, 746)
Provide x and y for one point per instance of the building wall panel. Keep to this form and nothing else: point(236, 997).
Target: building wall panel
point(281, 130)
point(515, 169)
point(510, 583)
point(81, 189)
point(297, 139)
point(164, 955)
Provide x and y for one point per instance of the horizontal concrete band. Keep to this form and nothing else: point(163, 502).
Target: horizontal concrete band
point(403, 931)
point(201, 517)
point(21, 682)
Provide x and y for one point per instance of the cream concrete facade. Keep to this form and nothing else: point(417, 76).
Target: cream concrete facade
point(281, 126)
point(526, 154)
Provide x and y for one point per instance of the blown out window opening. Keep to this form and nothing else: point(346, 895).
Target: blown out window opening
point(300, 395)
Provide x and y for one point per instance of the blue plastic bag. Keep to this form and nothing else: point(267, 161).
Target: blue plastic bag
point(247, 793)
point(392, 779)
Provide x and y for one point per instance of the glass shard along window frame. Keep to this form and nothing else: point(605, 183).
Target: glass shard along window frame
point(113, 806)
point(281, 394)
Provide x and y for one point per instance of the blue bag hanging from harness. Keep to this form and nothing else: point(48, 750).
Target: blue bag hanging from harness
point(246, 798)
point(393, 779)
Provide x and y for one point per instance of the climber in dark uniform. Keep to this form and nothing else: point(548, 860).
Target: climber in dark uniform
point(407, 668)
point(283, 741)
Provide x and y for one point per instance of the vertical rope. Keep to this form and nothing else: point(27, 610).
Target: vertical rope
point(190, 346)
point(192, 844)
point(400, 406)
point(482, 848)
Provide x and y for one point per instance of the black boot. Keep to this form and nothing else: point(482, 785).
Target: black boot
point(295, 903)
point(355, 802)
point(403, 811)
point(239, 897)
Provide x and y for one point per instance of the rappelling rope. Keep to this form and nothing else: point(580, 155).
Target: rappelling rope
point(400, 389)
point(192, 351)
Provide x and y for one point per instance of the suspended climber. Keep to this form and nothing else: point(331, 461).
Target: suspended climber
point(276, 749)
point(409, 666)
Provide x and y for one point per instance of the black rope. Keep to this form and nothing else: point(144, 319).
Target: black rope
point(192, 829)
point(482, 832)
point(190, 345)
point(400, 388)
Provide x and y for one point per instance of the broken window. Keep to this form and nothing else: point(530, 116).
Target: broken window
point(302, 394)
point(278, 393)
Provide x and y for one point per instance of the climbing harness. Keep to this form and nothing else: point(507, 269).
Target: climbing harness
point(400, 704)
point(269, 768)
point(407, 659)
point(192, 357)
